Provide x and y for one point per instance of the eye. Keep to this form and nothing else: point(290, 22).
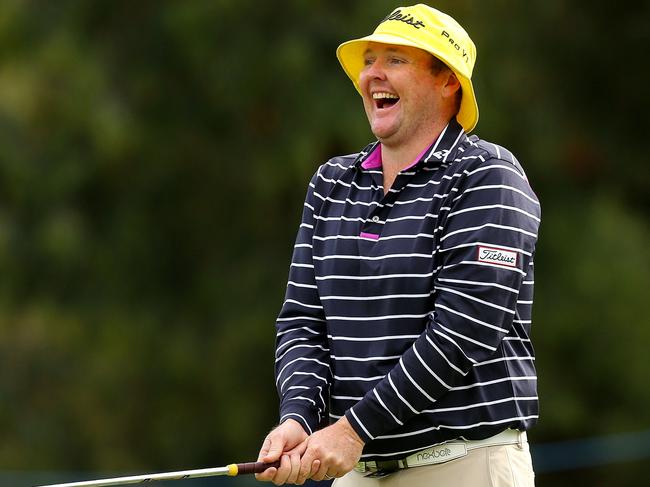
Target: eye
point(368, 61)
point(396, 60)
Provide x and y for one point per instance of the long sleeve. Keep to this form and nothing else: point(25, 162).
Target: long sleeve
point(302, 367)
point(486, 231)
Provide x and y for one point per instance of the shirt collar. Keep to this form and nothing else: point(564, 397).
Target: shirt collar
point(442, 149)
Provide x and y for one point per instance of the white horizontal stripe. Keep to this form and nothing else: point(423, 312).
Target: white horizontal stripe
point(466, 338)
point(485, 423)
point(481, 404)
point(479, 283)
point(347, 398)
point(463, 427)
point(489, 225)
point(492, 207)
point(504, 359)
point(517, 339)
point(468, 317)
point(300, 346)
point(414, 217)
point(378, 257)
point(376, 318)
point(309, 318)
point(307, 266)
point(473, 298)
point(492, 382)
point(304, 245)
point(300, 359)
point(306, 328)
point(365, 379)
point(332, 164)
point(301, 398)
point(313, 306)
point(372, 278)
point(499, 186)
point(343, 183)
point(357, 237)
point(338, 218)
point(365, 359)
point(465, 158)
point(301, 373)
point(347, 201)
point(435, 182)
point(297, 284)
point(519, 301)
point(301, 339)
point(415, 200)
point(494, 166)
point(485, 264)
point(374, 298)
point(372, 339)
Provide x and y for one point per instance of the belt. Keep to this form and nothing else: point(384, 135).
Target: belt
point(441, 453)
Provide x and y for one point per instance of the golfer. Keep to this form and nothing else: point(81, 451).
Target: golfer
point(403, 352)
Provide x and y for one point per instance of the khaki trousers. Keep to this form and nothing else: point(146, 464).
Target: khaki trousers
point(490, 466)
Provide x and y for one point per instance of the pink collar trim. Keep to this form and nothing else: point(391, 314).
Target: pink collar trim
point(374, 159)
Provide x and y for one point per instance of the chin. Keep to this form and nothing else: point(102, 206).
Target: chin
point(382, 134)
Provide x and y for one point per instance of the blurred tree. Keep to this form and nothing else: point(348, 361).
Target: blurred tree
point(154, 160)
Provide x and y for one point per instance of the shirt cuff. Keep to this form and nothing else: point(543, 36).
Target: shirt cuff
point(307, 417)
point(369, 419)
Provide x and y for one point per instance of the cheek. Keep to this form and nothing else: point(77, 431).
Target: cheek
point(363, 82)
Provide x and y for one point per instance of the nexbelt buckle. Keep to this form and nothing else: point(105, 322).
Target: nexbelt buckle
point(379, 469)
point(431, 456)
point(437, 454)
point(441, 453)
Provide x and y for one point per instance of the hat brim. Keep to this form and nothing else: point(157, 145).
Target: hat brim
point(350, 55)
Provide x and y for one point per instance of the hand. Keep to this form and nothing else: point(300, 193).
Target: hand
point(332, 451)
point(286, 443)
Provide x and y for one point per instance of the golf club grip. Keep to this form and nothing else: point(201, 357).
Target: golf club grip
point(255, 467)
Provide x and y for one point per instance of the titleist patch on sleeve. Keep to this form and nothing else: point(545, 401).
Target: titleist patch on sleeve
point(495, 255)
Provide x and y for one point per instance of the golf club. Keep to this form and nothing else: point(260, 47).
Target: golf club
point(231, 470)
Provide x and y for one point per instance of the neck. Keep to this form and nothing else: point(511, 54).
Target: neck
point(396, 157)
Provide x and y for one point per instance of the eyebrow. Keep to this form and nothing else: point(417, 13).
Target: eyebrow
point(390, 49)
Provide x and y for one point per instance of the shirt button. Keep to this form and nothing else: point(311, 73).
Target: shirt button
point(375, 218)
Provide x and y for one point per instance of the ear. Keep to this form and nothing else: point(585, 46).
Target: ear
point(451, 85)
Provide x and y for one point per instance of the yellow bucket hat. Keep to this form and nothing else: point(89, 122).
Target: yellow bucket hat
point(428, 29)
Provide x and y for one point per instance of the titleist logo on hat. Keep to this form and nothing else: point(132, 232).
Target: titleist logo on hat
point(406, 18)
point(495, 255)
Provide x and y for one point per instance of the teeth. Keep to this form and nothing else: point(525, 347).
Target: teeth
point(379, 96)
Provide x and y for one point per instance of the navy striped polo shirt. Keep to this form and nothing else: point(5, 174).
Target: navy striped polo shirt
point(410, 312)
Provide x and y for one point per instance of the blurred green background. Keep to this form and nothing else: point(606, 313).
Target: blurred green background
point(153, 162)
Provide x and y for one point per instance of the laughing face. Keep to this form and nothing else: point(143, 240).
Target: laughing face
point(404, 99)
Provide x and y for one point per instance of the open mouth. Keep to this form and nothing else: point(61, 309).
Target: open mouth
point(384, 99)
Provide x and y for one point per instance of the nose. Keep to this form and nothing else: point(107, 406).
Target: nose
point(373, 71)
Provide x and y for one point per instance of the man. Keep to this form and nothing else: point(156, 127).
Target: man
point(406, 323)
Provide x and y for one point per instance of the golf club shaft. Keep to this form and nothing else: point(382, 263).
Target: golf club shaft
point(232, 470)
